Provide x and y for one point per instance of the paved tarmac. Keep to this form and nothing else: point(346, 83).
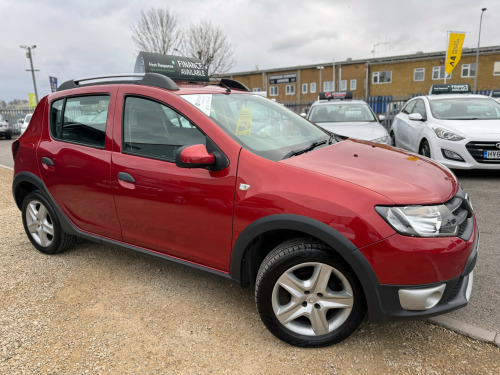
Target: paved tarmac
point(481, 318)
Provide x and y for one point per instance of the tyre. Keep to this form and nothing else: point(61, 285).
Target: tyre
point(393, 139)
point(306, 296)
point(42, 225)
point(425, 149)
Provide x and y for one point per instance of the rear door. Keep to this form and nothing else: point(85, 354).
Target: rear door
point(184, 213)
point(74, 157)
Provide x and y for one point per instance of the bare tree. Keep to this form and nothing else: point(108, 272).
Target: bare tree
point(157, 31)
point(209, 44)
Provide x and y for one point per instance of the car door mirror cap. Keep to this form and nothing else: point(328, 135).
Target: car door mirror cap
point(415, 117)
point(194, 156)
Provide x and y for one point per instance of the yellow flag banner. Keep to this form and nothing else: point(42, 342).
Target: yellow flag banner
point(32, 99)
point(454, 53)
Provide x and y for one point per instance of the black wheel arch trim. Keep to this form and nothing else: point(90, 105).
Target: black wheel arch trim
point(321, 231)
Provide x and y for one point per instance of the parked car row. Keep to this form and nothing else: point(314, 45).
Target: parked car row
point(8, 130)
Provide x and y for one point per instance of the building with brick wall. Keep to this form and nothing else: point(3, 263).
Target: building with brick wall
point(396, 76)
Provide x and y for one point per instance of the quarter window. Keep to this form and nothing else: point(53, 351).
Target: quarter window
point(152, 129)
point(382, 77)
point(80, 120)
point(418, 74)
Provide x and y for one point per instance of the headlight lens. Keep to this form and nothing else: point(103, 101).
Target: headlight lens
point(447, 135)
point(421, 221)
point(383, 140)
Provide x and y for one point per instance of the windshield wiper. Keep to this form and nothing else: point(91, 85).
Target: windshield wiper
point(311, 147)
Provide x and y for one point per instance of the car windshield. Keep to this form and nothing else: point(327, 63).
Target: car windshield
point(465, 109)
point(341, 112)
point(260, 125)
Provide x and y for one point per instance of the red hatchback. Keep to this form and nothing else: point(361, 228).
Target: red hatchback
point(218, 178)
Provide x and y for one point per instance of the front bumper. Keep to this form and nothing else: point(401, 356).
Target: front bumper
point(461, 148)
point(425, 300)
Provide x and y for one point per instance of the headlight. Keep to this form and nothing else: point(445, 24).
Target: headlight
point(447, 135)
point(421, 221)
point(383, 140)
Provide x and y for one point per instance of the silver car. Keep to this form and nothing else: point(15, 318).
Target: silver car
point(349, 119)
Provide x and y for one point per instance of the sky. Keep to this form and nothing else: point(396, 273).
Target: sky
point(82, 38)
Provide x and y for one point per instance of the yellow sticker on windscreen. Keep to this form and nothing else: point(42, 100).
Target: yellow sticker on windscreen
point(244, 122)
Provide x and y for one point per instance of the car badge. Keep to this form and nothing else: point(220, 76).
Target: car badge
point(497, 145)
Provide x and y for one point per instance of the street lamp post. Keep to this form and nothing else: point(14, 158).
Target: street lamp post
point(477, 53)
point(28, 55)
point(320, 68)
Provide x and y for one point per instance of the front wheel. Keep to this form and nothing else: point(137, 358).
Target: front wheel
point(42, 225)
point(425, 149)
point(308, 297)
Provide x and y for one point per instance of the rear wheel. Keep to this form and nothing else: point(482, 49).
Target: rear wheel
point(425, 149)
point(308, 297)
point(42, 225)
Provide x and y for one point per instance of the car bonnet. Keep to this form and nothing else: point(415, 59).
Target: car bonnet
point(403, 177)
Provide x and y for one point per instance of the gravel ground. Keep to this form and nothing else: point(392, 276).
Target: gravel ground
point(100, 310)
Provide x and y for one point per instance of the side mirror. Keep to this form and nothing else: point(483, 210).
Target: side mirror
point(303, 114)
point(194, 156)
point(381, 117)
point(415, 117)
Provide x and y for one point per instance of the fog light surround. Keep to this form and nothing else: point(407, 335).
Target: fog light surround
point(421, 299)
point(451, 155)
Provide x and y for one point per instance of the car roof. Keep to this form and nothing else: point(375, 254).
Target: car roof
point(450, 96)
point(337, 102)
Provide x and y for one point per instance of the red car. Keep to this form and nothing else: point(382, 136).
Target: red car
point(218, 178)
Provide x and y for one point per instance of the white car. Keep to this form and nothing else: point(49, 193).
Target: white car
point(26, 122)
point(461, 131)
point(347, 118)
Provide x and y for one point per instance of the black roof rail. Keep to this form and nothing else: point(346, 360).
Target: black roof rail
point(148, 79)
point(232, 84)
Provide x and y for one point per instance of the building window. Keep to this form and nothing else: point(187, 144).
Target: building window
point(382, 77)
point(418, 74)
point(313, 87)
point(328, 86)
point(273, 91)
point(290, 89)
point(343, 85)
point(257, 89)
point(304, 88)
point(496, 68)
point(468, 70)
point(438, 73)
point(353, 84)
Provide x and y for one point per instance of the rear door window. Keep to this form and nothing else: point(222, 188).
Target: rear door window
point(80, 119)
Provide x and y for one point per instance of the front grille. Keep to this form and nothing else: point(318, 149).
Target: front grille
point(476, 149)
point(462, 212)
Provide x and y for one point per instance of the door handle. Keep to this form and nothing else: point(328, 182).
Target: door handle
point(47, 161)
point(126, 177)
